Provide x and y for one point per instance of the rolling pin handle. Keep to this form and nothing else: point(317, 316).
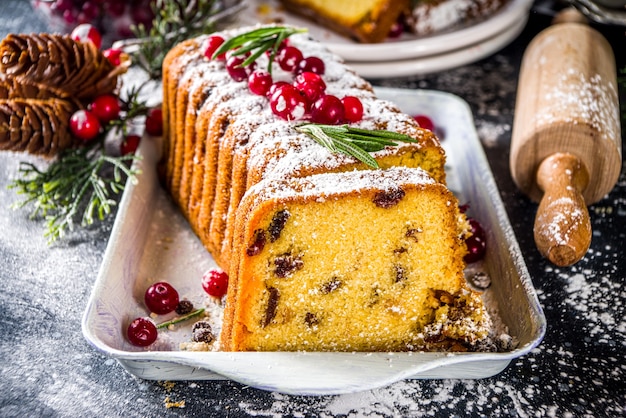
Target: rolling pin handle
point(562, 227)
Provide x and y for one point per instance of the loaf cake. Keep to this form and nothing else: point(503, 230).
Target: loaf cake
point(356, 261)
point(227, 162)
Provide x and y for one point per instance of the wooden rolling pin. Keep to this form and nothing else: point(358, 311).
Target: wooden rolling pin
point(566, 140)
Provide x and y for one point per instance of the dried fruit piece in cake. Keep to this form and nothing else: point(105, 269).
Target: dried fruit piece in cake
point(375, 252)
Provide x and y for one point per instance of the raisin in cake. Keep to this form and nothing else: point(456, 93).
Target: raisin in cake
point(355, 261)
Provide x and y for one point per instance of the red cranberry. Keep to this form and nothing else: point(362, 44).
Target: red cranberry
point(289, 58)
point(352, 109)
point(212, 44)
point(84, 125)
point(106, 107)
point(142, 332)
point(161, 298)
point(235, 69)
point(425, 122)
point(310, 84)
point(327, 110)
point(215, 282)
point(477, 243)
point(287, 103)
point(259, 82)
point(154, 122)
point(313, 65)
point(130, 144)
point(87, 33)
point(113, 55)
point(397, 29)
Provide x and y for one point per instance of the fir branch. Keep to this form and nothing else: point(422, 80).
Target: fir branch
point(257, 42)
point(355, 142)
point(75, 188)
point(174, 21)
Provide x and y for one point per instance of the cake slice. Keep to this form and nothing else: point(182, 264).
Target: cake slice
point(357, 261)
point(366, 21)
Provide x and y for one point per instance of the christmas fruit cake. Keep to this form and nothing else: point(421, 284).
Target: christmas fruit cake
point(375, 21)
point(364, 21)
point(262, 109)
point(377, 253)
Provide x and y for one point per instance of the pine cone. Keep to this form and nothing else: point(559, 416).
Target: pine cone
point(37, 126)
point(78, 68)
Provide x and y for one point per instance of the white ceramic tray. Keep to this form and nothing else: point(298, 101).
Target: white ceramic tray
point(151, 241)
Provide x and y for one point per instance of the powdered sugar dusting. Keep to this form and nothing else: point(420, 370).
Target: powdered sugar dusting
point(588, 99)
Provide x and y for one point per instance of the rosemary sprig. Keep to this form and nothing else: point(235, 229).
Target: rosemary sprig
point(73, 187)
point(257, 42)
point(180, 319)
point(355, 142)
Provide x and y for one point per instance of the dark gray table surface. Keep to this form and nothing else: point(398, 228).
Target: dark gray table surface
point(48, 369)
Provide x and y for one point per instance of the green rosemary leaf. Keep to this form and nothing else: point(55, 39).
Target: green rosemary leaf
point(366, 139)
point(258, 40)
point(355, 142)
point(357, 153)
point(381, 134)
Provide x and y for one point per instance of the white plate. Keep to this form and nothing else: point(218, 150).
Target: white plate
point(446, 61)
point(150, 241)
point(407, 46)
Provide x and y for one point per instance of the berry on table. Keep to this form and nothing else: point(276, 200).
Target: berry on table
point(215, 282)
point(142, 332)
point(106, 107)
point(154, 122)
point(161, 298)
point(129, 144)
point(84, 125)
point(86, 32)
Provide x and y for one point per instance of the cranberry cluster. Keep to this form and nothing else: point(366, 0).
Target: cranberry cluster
point(87, 124)
point(303, 99)
point(162, 298)
point(114, 18)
